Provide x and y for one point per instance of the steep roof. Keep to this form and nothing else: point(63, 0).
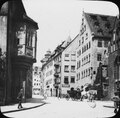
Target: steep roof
point(101, 25)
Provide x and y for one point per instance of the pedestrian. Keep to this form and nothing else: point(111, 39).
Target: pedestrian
point(20, 97)
point(59, 94)
point(116, 100)
point(81, 90)
point(78, 93)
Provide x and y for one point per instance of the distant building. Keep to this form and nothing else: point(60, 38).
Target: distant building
point(37, 82)
point(59, 68)
point(95, 33)
point(68, 65)
point(48, 73)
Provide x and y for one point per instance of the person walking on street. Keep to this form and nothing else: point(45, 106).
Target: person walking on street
point(116, 100)
point(20, 97)
point(59, 94)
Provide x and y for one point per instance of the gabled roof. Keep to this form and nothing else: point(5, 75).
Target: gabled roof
point(101, 25)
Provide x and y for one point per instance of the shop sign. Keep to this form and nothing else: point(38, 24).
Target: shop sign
point(66, 85)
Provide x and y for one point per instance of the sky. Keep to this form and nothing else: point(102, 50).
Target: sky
point(58, 19)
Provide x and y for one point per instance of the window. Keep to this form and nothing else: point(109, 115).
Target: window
point(73, 57)
point(86, 36)
point(73, 79)
point(86, 58)
point(66, 68)
point(79, 75)
point(82, 74)
point(89, 72)
point(82, 40)
point(84, 28)
point(99, 43)
point(89, 45)
point(72, 68)
point(86, 73)
point(89, 58)
point(79, 42)
point(79, 63)
point(66, 80)
point(105, 43)
point(99, 57)
point(18, 41)
point(66, 57)
point(82, 50)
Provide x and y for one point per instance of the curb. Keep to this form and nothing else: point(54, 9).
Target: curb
point(23, 108)
point(108, 106)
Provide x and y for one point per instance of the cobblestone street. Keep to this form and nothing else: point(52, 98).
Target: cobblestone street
point(61, 108)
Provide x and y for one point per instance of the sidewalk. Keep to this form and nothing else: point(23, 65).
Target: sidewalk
point(108, 104)
point(29, 104)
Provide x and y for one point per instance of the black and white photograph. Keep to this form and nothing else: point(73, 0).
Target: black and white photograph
point(59, 59)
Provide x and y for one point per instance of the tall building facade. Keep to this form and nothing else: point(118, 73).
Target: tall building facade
point(114, 60)
point(48, 73)
point(59, 68)
point(95, 33)
point(19, 37)
point(68, 65)
point(36, 82)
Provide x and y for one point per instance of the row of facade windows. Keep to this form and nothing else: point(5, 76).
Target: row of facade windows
point(66, 68)
point(37, 80)
point(83, 29)
point(36, 84)
point(85, 60)
point(66, 79)
point(113, 48)
point(102, 43)
point(84, 49)
point(84, 73)
point(81, 42)
point(67, 57)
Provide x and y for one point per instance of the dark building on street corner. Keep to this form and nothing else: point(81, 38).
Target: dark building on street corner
point(114, 60)
point(18, 41)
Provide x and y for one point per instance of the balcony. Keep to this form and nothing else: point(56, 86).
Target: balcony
point(56, 75)
point(57, 80)
point(56, 64)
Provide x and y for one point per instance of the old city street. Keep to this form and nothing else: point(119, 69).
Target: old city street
point(61, 108)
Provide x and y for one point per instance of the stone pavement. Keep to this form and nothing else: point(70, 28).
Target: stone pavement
point(29, 104)
point(37, 102)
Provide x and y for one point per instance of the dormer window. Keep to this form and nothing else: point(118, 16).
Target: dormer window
point(107, 25)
